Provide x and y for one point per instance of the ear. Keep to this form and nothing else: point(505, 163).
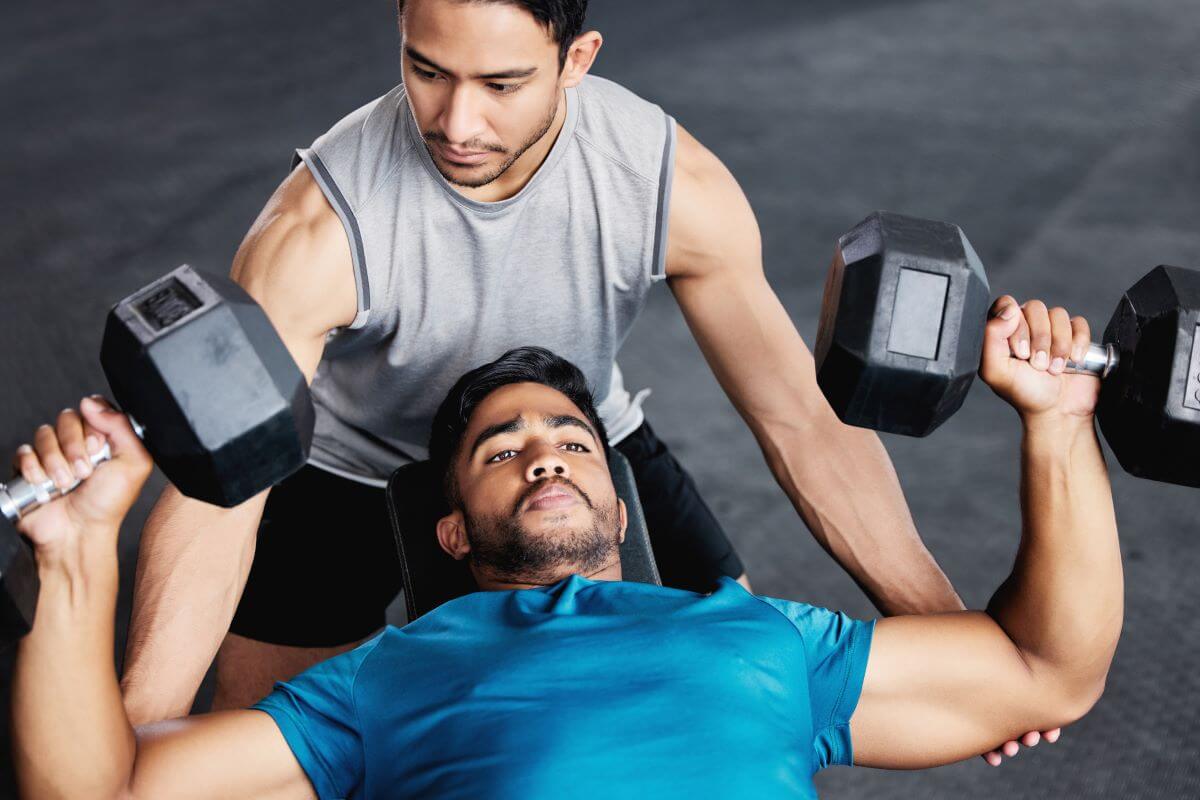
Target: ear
point(452, 535)
point(580, 57)
point(624, 518)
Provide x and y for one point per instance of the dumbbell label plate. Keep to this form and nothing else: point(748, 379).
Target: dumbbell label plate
point(1191, 395)
point(166, 304)
point(917, 313)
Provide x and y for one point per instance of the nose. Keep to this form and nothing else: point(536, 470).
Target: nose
point(460, 121)
point(545, 461)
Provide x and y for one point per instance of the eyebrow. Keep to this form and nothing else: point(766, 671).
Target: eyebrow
point(508, 73)
point(565, 420)
point(518, 423)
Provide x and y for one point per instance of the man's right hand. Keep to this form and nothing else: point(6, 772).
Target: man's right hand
point(62, 453)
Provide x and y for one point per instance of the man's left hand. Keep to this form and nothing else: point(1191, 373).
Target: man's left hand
point(1025, 352)
point(1010, 749)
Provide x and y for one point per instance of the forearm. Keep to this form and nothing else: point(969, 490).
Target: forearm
point(844, 487)
point(192, 567)
point(71, 737)
point(1063, 603)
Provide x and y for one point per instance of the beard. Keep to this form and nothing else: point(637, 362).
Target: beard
point(504, 548)
point(436, 137)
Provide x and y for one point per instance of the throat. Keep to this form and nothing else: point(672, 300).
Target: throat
point(491, 583)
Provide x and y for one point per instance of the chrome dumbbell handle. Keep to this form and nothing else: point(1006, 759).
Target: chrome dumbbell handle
point(18, 497)
point(1100, 360)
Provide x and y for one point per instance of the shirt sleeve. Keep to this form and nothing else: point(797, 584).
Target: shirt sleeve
point(836, 647)
point(316, 714)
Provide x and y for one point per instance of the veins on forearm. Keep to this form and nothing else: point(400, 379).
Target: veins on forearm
point(870, 533)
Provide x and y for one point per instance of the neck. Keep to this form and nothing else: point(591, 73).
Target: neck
point(521, 171)
point(491, 583)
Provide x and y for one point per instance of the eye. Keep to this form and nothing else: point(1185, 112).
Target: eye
point(505, 88)
point(503, 455)
point(424, 74)
point(581, 448)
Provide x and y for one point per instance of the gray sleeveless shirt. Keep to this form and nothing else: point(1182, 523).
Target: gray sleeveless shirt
point(446, 283)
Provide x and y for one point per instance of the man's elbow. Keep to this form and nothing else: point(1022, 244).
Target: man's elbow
point(1071, 699)
point(1085, 698)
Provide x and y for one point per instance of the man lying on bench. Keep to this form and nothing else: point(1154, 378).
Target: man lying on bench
point(561, 680)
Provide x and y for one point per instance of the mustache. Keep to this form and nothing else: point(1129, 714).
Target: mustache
point(542, 484)
point(436, 137)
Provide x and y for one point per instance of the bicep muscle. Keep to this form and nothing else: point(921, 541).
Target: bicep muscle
point(225, 754)
point(940, 688)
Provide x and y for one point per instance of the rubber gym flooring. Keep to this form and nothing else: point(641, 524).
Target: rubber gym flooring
point(1062, 136)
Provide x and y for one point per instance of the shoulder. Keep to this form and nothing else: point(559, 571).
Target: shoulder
point(625, 127)
point(296, 261)
point(828, 635)
point(339, 674)
point(701, 181)
point(711, 224)
point(612, 100)
point(372, 116)
point(695, 163)
point(363, 149)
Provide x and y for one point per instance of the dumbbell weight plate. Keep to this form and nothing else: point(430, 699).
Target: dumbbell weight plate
point(194, 359)
point(901, 324)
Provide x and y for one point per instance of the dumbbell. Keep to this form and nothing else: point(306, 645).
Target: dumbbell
point(901, 335)
point(211, 390)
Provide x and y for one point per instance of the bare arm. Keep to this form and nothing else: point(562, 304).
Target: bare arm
point(234, 754)
point(194, 557)
point(71, 736)
point(839, 478)
point(941, 688)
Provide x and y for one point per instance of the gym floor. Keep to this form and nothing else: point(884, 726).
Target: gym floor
point(1060, 136)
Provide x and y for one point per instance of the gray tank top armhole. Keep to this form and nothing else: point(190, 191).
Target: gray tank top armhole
point(346, 214)
point(658, 264)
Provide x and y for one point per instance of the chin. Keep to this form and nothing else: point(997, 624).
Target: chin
point(553, 524)
point(467, 177)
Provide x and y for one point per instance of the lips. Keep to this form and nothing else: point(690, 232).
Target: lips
point(461, 156)
point(551, 497)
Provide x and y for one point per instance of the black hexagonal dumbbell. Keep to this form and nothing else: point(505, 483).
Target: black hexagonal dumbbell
point(901, 336)
point(214, 394)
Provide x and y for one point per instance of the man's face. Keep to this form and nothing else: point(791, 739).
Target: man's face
point(483, 82)
point(538, 502)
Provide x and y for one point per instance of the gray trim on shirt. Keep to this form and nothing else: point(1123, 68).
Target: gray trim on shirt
point(345, 213)
point(658, 264)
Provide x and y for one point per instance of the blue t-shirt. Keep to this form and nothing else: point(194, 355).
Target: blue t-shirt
point(584, 689)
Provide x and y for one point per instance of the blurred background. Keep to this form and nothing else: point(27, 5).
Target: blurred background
point(1063, 137)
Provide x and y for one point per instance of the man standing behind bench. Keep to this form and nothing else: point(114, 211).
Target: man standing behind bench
point(564, 681)
point(501, 195)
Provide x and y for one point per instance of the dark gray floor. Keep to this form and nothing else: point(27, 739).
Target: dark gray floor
point(1062, 136)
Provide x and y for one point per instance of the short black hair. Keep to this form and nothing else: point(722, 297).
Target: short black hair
point(519, 365)
point(562, 18)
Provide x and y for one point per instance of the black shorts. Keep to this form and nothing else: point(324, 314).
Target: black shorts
point(326, 565)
